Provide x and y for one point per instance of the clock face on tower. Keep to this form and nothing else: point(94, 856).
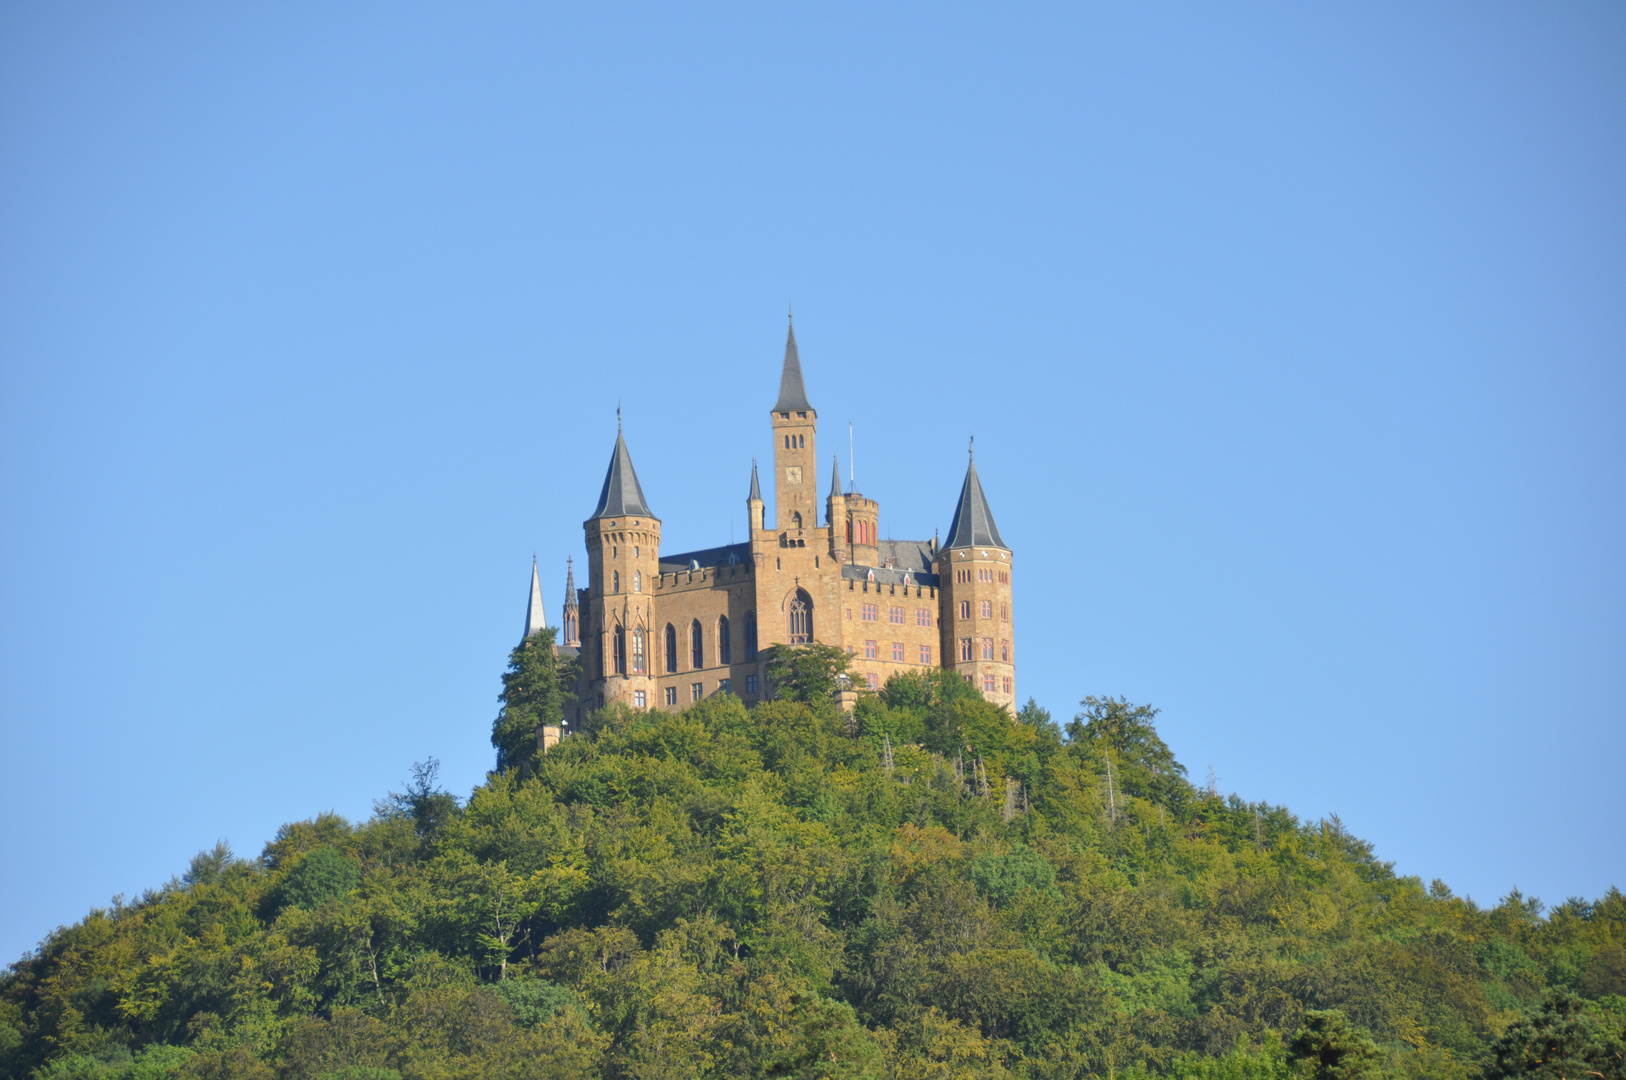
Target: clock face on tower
point(793, 474)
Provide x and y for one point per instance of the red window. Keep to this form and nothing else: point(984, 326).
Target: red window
point(987, 648)
point(1005, 651)
point(871, 650)
point(870, 680)
point(925, 654)
point(1008, 687)
point(1004, 611)
point(965, 609)
point(868, 613)
point(988, 683)
point(988, 609)
point(897, 652)
point(923, 616)
point(896, 615)
point(965, 650)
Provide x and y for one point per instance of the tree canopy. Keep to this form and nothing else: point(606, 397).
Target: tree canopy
point(928, 887)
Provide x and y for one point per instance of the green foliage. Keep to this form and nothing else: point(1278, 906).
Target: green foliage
point(807, 673)
point(535, 689)
point(734, 892)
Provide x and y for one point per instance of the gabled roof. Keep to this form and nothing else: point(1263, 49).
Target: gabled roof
point(621, 497)
point(792, 394)
point(973, 524)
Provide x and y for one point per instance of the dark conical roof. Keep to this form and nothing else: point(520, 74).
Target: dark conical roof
point(973, 524)
point(792, 394)
point(835, 476)
point(621, 497)
point(756, 488)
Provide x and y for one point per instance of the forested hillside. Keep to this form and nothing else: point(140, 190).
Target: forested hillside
point(926, 887)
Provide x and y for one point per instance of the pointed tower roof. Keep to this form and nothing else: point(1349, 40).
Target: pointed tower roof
point(570, 583)
point(792, 394)
point(756, 488)
point(535, 620)
point(835, 477)
point(621, 497)
point(973, 524)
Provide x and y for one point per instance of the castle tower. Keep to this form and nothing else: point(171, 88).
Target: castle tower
point(535, 621)
point(795, 472)
point(836, 516)
point(623, 559)
point(974, 572)
point(754, 509)
point(570, 624)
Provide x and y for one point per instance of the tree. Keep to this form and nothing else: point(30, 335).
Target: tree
point(425, 802)
point(1565, 1039)
point(809, 673)
point(535, 688)
point(1327, 1047)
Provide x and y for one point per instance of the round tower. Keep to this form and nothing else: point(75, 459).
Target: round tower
point(623, 567)
point(974, 578)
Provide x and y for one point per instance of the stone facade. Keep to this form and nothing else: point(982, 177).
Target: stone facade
point(662, 631)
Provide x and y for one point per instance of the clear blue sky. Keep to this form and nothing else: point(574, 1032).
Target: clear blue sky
point(1292, 336)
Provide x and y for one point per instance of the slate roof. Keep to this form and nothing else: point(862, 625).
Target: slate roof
point(756, 488)
point(535, 620)
point(889, 576)
point(705, 559)
point(621, 497)
point(835, 476)
point(973, 524)
point(913, 555)
point(792, 394)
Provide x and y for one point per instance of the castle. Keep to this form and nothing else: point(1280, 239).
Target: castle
point(661, 631)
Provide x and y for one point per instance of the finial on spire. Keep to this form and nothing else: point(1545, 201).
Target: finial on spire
point(971, 447)
point(618, 416)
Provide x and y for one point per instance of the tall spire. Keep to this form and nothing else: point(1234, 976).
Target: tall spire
point(973, 524)
point(756, 488)
point(569, 628)
point(621, 497)
point(835, 477)
point(535, 619)
point(792, 394)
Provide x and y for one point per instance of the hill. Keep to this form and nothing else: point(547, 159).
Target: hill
point(922, 888)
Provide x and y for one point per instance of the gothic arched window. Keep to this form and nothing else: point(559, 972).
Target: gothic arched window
point(796, 520)
point(697, 646)
point(637, 581)
point(620, 651)
point(725, 651)
point(801, 618)
point(750, 635)
point(671, 648)
point(615, 581)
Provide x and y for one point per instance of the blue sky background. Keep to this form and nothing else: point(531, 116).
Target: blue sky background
point(1292, 336)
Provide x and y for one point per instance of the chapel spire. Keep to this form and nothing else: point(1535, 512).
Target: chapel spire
point(535, 620)
point(621, 496)
point(570, 625)
point(973, 524)
point(792, 393)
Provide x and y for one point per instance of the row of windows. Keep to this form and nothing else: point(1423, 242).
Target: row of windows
point(861, 530)
point(988, 574)
point(872, 651)
point(894, 615)
point(697, 691)
point(986, 608)
point(637, 581)
point(628, 647)
point(969, 646)
point(795, 442)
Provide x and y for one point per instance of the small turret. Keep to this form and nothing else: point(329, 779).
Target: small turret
point(836, 516)
point(570, 624)
point(535, 620)
point(755, 511)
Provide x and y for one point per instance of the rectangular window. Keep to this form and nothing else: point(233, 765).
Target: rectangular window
point(849, 613)
point(870, 680)
point(1005, 651)
point(1004, 611)
point(896, 615)
point(722, 686)
point(987, 648)
point(965, 609)
point(925, 654)
point(965, 650)
point(639, 700)
point(750, 685)
point(988, 683)
point(1008, 687)
point(871, 650)
point(897, 652)
point(868, 613)
point(696, 691)
point(671, 695)
point(988, 609)
point(638, 653)
point(923, 616)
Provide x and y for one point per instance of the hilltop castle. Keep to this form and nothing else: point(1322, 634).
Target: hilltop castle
point(657, 630)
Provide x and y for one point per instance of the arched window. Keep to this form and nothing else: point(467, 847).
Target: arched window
point(637, 581)
point(750, 635)
point(796, 520)
point(697, 646)
point(671, 648)
point(620, 651)
point(615, 581)
point(725, 651)
point(801, 618)
point(639, 667)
